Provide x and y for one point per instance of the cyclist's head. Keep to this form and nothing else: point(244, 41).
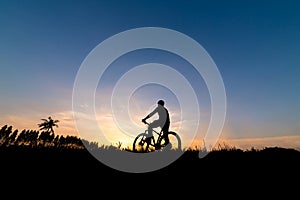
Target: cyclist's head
point(161, 102)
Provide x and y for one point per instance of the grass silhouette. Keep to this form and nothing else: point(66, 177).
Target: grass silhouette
point(43, 156)
point(32, 140)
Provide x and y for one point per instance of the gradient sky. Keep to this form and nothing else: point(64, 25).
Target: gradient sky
point(255, 45)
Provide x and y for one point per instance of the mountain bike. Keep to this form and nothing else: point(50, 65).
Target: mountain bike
point(144, 143)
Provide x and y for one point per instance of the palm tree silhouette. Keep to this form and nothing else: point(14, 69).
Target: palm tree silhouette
point(48, 124)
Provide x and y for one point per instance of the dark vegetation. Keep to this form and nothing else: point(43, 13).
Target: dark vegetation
point(42, 157)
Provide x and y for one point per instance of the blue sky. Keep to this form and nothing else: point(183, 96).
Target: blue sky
point(255, 45)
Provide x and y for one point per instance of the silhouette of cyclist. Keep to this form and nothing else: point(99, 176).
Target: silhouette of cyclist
point(163, 121)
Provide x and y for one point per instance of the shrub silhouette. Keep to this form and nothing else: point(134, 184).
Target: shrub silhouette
point(38, 160)
point(32, 148)
point(34, 138)
point(47, 139)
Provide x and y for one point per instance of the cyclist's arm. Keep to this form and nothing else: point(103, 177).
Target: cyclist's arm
point(151, 114)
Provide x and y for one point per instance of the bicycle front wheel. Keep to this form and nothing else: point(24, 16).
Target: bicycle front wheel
point(141, 145)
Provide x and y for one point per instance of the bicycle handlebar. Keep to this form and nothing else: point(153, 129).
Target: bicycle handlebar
point(145, 122)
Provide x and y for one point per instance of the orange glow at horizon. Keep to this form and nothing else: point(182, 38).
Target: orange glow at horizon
point(116, 136)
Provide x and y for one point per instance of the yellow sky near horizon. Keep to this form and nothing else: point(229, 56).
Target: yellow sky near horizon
point(67, 127)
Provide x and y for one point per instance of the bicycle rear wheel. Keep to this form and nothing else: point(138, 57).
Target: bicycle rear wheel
point(141, 145)
point(175, 141)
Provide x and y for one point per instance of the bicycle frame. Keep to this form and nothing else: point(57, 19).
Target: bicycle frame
point(155, 142)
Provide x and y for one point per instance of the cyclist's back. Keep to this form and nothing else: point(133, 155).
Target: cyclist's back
point(163, 121)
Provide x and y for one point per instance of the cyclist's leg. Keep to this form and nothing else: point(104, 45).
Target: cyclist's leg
point(166, 133)
point(151, 126)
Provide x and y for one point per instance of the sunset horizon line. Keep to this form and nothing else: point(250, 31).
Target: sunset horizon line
point(243, 143)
